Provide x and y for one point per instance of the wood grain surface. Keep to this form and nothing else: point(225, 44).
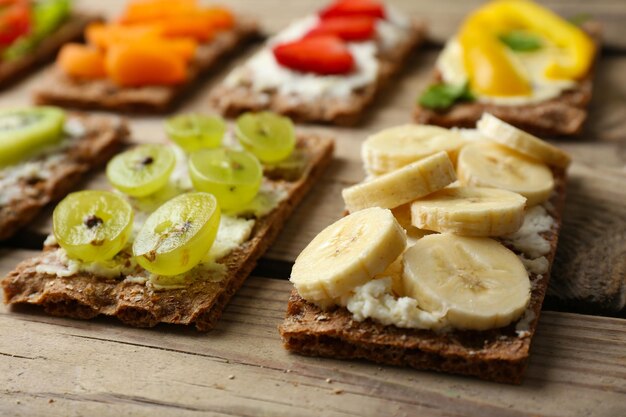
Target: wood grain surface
point(52, 366)
point(55, 366)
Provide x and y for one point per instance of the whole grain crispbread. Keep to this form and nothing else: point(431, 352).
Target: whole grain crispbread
point(497, 355)
point(59, 89)
point(559, 116)
point(101, 138)
point(231, 101)
point(71, 30)
point(201, 303)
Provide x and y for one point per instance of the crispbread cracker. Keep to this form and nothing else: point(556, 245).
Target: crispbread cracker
point(61, 90)
point(231, 101)
point(201, 303)
point(102, 138)
point(562, 115)
point(499, 354)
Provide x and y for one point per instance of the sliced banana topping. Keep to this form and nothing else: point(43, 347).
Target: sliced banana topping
point(477, 282)
point(396, 147)
point(508, 135)
point(470, 211)
point(488, 164)
point(403, 185)
point(394, 272)
point(347, 254)
point(403, 216)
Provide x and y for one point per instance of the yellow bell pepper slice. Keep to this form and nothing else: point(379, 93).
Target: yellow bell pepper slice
point(578, 49)
point(487, 61)
point(489, 67)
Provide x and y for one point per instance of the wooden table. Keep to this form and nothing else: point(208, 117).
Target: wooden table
point(54, 366)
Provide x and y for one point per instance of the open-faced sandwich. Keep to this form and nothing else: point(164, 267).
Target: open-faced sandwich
point(444, 259)
point(519, 62)
point(43, 155)
point(32, 31)
point(146, 59)
point(325, 67)
point(183, 228)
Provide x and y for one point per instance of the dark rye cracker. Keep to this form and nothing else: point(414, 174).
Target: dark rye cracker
point(61, 90)
point(71, 30)
point(498, 355)
point(101, 139)
point(201, 303)
point(559, 116)
point(232, 101)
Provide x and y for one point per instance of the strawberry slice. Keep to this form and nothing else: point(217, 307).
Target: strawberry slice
point(358, 28)
point(352, 8)
point(324, 54)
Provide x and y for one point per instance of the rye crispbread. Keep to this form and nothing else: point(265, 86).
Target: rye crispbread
point(101, 138)
point(71, 30)
point(201, 303)
point(231, 101)
point(559, 116)
point(498, 355)
point(61, 90)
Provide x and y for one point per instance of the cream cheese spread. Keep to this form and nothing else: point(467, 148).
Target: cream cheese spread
point(375, 300)
point(528, 239)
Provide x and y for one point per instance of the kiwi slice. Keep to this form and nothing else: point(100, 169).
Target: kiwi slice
point(24, 131)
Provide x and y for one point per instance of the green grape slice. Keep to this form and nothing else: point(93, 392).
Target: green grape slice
point(178, 234)
point(268, 135)
point(92, 225)
point(24, 131)
point(234, 177)
point(195, 131)
point(142, 170)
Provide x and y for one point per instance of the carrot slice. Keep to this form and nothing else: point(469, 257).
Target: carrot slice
point(195, 26)
point(81, 61)
point(104, 35)
point(185, 48)
point(133, 65)
point(219, 17)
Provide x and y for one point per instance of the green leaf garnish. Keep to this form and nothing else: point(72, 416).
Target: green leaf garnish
point(442, 96)
point(521, 41)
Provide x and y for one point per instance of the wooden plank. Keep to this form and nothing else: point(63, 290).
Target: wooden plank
point(590, 268)
point(56, 366)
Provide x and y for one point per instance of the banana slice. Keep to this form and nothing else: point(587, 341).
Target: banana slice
point(403, 216)
point(347, 254)
point(508, 135)
point(395, 272)
point(470, 211)
point(488, 164)
point(479, 283)
point(396, 147)
point(403, 185)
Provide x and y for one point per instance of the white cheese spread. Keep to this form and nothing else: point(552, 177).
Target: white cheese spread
point(528, 239)
point(375, 300)
point(232, 233)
